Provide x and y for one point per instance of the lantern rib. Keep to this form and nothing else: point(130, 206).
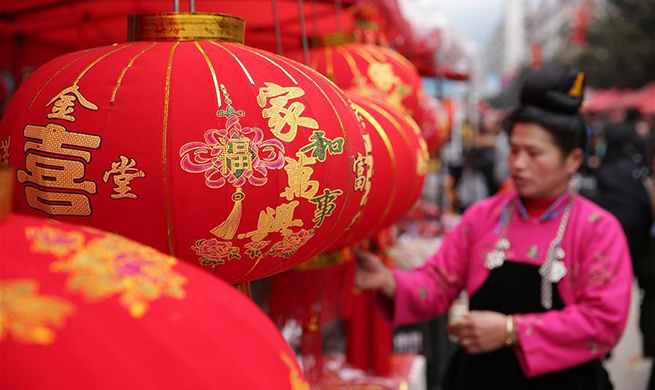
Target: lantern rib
point(91, 65)
point(329, 63)
point(375, 53)
point(213, 73)
point(393, 120)
point(271, 61)
point(167, 90)
point(85, 53)
point(387, 143)
point(366, 56)
point(347, 146)
point(351, 62)
point(237, 60)
point(124, 71)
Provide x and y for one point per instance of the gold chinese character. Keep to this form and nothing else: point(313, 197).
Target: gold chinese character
point(299, 174)
point(124, 172)
point(58, 203)
point(271, 220)
point(237, 157)
point(55, 173)
point(364, 164)
point(64, 103)
point(4, 151)
point(59, 173)
point(324, 205)
point(279, 114)
point(56, 139)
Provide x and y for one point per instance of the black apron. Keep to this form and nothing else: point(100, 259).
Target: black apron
point(515, 288)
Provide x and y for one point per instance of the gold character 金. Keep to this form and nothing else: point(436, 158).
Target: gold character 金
point(124, 171)
point(64, 103)
point(273, 99)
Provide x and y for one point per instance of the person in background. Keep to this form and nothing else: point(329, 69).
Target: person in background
point(547, 271)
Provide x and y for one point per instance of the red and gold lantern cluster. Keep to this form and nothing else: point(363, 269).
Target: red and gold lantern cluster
point(90, 309)
point(188, 141)
point(369, 70)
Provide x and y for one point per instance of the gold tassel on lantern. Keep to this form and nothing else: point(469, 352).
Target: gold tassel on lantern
point(228, 228)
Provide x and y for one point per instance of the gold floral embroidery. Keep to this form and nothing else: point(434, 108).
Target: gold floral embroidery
point(28, 316)
point(213, 252)
point(110, 265)
point(57, 242)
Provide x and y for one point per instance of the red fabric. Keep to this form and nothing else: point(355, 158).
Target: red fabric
point(36, 31)
point(369, 339)
point(401, 153)
point(84, 309)
point(180, 195)
point(537, 207)
point(314, 296)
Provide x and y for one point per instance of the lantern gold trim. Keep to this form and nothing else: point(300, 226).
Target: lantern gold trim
point(178, 26)
point(331, 39)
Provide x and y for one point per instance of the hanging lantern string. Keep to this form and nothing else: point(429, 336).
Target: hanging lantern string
point(303, 32)
point(337, 6)
point(276, 24)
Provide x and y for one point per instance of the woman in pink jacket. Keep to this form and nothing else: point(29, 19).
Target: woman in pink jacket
point(548, 273)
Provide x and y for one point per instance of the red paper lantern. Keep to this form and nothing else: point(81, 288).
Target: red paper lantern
point(211, 151)
point(84, 309)
point(371, 70)
point(401, 162)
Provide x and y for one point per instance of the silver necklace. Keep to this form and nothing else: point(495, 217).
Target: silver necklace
point(552, 270)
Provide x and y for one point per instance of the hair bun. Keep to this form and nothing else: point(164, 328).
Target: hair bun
point(557, 88)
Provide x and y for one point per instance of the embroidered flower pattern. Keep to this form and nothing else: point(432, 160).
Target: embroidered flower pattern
point(109, 265)
point(50, 240)
point(291, 243)
point(28, 316)
point(213, 252)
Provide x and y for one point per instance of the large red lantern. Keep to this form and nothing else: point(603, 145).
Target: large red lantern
point(209, 150)
point(370, 70)
point(401, 163)
point(84, 309)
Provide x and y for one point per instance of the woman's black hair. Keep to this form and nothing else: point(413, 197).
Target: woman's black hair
point(551, 97)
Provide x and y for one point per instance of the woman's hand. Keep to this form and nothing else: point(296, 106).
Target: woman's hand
point(481, 331)
point(373, 275)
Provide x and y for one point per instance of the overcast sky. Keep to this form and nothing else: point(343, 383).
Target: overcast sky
point(474, 19)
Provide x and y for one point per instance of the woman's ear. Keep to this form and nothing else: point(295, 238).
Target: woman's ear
point(574, 161)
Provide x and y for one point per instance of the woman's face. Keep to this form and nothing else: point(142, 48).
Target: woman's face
point(537, 165)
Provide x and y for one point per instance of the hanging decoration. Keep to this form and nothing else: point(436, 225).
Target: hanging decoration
point(184, 139)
